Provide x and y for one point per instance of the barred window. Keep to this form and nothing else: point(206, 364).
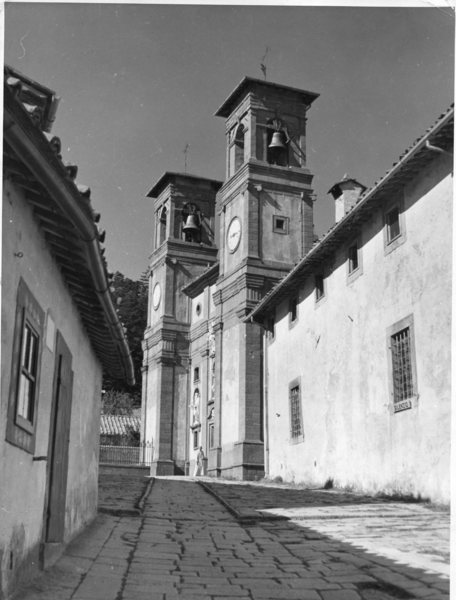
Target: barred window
point(295, 412)
point(403, 385)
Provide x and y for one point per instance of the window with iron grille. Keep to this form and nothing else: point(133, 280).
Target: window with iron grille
point(403, 385)
point(402, 366)
point(295, 413)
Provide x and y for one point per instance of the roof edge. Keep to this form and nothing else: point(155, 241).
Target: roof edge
point(268, 300)
point(168, 175)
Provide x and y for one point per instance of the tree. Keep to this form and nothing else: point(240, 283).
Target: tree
point(130, 299)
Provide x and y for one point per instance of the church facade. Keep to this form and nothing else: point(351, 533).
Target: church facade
point(239, 357)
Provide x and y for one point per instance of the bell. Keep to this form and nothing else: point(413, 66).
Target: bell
point(191, 224)
point(277, 140)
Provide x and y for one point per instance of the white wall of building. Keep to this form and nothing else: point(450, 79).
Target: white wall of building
point(338, 350)
point(26, 255)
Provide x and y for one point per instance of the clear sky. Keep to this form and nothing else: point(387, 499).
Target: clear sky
point(139, 82)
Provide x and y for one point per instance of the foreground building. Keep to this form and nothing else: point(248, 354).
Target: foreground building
point(309, 361)
point(59, 332)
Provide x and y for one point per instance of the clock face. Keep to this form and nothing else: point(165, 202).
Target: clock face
point(156, 296)
point(234, 234)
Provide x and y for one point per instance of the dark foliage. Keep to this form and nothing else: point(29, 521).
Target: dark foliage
point(130, 299)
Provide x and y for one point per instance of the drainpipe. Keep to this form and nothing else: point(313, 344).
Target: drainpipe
point(187, 425)
point(429, 146)
point(265, 403)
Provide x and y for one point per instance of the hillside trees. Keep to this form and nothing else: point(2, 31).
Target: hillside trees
point(130, 299)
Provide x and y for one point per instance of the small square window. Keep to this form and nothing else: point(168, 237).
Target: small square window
point(353, 257)
point(319, 287)
point(280, 224)
point(393, 228)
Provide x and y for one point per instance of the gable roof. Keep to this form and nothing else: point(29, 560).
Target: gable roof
point(64, 213)
point(439, 137)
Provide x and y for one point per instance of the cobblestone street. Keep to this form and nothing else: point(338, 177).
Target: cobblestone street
point(224, 540)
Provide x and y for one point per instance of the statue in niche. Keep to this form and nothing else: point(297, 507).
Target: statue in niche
point(195, 407)
point(211, 342)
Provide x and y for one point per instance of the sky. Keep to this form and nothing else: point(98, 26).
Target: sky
point(138, 82)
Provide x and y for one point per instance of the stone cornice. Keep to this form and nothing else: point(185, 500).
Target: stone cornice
point(254, 173)
point(179, 249)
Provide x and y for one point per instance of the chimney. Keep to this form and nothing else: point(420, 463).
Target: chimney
point(346, 194)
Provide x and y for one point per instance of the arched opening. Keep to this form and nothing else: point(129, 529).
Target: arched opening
point(162, 226)
point(191, 223)
point(239, 144)
point(277, 146)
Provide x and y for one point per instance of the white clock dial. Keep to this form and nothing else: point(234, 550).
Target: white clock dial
point(234, 234)
point(156, 296)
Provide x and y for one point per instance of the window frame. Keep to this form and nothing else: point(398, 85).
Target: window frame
point(392, 243)
point(293, 308)
point(196, 374)
point(195, 436)
point(286, 222)
point(354, 273)
point(21, 431)
point(211, 434)
point(412, 400)
point(295, 384)
point(320, 294)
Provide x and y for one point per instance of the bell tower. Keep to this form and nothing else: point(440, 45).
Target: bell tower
point(265, 210)
point(183, 247)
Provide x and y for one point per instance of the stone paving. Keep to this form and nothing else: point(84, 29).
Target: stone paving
point(210, 541)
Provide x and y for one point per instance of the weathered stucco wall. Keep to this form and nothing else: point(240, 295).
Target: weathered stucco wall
point(22, 492)
point(338, 349)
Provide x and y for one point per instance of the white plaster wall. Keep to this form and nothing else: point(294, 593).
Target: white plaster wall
point(22, 480)
point(339, 349)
